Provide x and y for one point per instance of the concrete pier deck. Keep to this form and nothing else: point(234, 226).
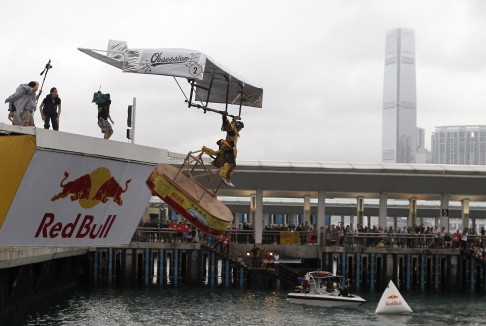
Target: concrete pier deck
point(18, 256)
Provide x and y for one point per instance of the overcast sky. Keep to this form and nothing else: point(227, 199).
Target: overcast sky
point(320, 63)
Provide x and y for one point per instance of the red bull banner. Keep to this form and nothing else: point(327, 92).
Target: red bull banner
point(71, 200)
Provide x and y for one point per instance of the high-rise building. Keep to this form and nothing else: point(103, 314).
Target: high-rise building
point(459, 145)
point(399, 129)
point(420, 138)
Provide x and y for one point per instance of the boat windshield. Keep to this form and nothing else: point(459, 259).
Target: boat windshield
point(323, 282)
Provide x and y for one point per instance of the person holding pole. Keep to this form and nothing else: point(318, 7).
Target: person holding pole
point(24, 100)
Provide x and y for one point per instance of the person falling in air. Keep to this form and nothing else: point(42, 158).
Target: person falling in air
point(225, 156)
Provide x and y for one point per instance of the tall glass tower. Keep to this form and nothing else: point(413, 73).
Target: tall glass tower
point(399, 129)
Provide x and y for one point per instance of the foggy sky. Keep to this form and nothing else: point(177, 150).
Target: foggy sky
point(320, 63)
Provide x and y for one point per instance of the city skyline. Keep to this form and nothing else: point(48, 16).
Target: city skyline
point(320, 64)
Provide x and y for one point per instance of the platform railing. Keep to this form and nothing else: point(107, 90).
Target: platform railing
point(351, 239)
point(154, 234)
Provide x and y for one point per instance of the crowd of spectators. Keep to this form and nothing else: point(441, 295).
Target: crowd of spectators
point(167, 231)
point(418, 236)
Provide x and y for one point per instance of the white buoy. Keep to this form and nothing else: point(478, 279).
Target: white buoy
point(392, 302)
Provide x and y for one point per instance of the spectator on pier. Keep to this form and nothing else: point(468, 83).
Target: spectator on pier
point(179, 228)
point(211, 242)
point(309, 237)
point(226, 244)
point(185, 232)
point(219, 243)
point(276, 261)
point(239, 260)
point(464, 239)
point(173, 226)
point(268, 258)
point(314, 234)
point(195, 234)
point(254, 256)
point(457, 239)
point(447, 240)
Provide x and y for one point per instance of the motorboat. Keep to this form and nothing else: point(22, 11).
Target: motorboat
point(323, 289)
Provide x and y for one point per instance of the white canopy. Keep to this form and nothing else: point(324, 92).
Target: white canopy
point(209, 77)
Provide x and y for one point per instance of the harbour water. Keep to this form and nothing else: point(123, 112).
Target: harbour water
point(130, 307)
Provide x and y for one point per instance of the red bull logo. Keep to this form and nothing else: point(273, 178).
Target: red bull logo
point(91, 189)
point(393, 296)
point(81, 227)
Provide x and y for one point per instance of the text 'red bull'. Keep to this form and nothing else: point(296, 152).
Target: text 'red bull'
point(48, 229)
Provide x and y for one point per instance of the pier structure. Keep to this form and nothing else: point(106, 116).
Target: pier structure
point(432, 191)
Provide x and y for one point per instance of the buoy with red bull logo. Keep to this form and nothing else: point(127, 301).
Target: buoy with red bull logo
point(392, 302)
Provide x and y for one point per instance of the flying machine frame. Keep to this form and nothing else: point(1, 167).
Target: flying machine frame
point(182, 188)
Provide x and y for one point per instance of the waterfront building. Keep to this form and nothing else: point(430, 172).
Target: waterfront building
point(423, 156)
point(459, 145)
point(399, 128)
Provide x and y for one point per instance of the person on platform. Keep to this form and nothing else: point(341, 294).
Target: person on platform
point(13, 115)
point(25, 102)
point(225, 156)
point(50, 110)
point(103, 117)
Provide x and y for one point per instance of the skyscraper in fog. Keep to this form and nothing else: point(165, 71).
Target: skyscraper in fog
point(399, 129)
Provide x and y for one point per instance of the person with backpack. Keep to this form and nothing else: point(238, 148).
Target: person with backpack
point(103, 101)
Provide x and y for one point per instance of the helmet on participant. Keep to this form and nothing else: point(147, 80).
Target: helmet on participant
point(239, 125)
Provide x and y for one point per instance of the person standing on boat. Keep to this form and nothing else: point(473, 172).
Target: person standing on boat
point(305, 284)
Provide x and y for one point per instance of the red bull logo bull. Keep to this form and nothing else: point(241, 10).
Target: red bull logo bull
point(91, 189)
point(394, 300)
